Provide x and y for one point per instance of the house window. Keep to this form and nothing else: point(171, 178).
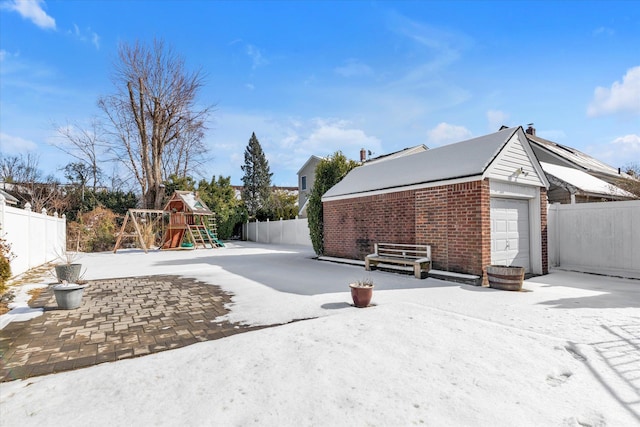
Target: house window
point(304, 182)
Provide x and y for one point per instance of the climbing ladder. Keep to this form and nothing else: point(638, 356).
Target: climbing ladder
point(213, 231)
point(200, 235)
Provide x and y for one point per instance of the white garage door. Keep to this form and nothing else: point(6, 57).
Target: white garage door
point(510, 232)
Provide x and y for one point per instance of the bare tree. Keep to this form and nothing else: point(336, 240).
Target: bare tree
point(153, 113)
point(86, 145)
point(632, 183)
point(188, 154)
point(47, 194)
point(23, 179)
point(19, 169)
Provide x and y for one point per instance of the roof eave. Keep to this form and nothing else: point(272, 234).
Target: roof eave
point(415, 186)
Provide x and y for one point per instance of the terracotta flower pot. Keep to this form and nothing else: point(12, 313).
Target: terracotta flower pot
point(505, 278)
point(361, 295)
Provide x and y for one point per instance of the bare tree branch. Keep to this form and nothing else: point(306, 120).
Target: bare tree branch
point(85, 144)
point(153, 115)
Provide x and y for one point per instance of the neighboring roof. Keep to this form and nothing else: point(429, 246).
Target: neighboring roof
point(463, 159)
point(404, 152)
point(309, 160)
point(583, 181)
point(573, 156)
point(303, 209)
point(195, 204)
point(8, 198)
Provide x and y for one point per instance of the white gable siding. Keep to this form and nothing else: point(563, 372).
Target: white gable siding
point(309, 171)
point(513, 157)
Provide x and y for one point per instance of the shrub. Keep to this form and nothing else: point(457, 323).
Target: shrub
point(5, 262)
point(94, 232)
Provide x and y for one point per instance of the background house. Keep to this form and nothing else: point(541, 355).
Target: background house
point(571, 185)
point(307, 173)
point(477, 202)
point(576, 177)
point(8, 198)
point(306, 178)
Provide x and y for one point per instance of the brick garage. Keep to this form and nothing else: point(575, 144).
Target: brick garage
point(452, 214)
point(453, 219)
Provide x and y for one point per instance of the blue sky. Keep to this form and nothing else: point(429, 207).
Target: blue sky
point(316, 77)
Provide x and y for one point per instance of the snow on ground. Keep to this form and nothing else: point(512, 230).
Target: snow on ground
point(429, 352)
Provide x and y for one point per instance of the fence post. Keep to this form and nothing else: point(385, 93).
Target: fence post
point(63, 246)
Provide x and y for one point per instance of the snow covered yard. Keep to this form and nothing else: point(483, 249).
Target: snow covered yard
point(429, 352)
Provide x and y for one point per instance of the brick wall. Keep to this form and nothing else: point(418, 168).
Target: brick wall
point(352, 226)
point(454, 220)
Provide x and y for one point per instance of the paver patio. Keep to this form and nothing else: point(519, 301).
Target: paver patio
point(118, 319)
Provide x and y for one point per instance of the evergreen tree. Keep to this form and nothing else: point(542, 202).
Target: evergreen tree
point(256, 179)
point(220, 197)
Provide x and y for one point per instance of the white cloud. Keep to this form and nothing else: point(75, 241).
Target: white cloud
point(10, 144)
point(32, 10)
point(249, 86)
point(620, 98)
point(445, 133)
point(256, 56)
point(628, 143)
point(328, 136)
point(606, 31)
point(496, 119)
point(87, 36)
point(444, 46)
point(354, 68)
point(95, 39)
point(287, 142)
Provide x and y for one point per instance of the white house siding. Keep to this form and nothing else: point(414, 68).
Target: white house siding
point(513, 157)
point(308, 170)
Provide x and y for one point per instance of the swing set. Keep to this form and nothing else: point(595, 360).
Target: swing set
point(184, 223)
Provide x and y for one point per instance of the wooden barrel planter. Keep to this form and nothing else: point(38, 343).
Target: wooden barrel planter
point(505, 278)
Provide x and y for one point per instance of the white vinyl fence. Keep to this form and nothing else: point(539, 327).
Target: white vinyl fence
point(289, 232)
point(595, 237)
point(35, 238)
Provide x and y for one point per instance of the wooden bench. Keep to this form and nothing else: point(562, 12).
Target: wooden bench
point(418, 256)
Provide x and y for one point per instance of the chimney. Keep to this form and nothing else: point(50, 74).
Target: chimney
point(531, 130)
point(363, 155)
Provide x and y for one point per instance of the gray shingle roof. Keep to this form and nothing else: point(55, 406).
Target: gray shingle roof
point(574, 156)
point(463, 159)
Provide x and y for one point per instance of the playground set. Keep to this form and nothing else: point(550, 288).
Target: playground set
point(185, 223)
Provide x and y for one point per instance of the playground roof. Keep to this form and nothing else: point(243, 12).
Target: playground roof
point(191, 202)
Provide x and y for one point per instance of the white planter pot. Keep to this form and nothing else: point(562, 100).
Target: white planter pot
point(68, 296)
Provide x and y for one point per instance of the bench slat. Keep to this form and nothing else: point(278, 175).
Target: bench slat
point(399, 253)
